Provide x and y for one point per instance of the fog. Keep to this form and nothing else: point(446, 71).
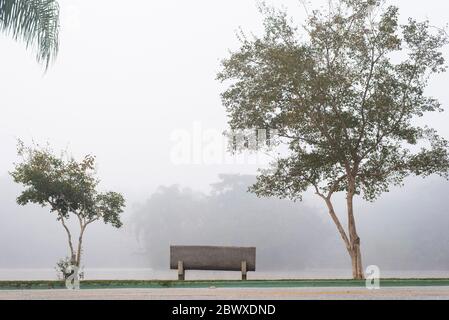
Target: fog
point(405, 231)
point(398, 233)
point(127, 79)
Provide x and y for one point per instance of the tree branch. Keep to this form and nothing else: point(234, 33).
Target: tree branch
point(69, 235)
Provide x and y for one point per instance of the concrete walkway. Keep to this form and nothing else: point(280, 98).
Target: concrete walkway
point(409, 293)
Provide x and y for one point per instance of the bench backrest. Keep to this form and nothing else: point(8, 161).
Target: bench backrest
point(212, 258)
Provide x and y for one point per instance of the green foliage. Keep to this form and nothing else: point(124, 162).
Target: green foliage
point(343, 92)
point(36, 22)
point(66, 186)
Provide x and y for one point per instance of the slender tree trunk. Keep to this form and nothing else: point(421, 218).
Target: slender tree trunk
point(357, 266)
point(80, 246)
point(73, 257)
point(355, 251)
point(351, 239)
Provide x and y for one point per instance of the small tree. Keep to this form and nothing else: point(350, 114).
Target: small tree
point(343, 95)
point(68, 188)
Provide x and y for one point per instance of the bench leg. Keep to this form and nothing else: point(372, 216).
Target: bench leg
point(181, 273)
point(244, 271)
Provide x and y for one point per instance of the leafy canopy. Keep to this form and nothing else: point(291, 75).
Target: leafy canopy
point(344, 93)
point(67, 186)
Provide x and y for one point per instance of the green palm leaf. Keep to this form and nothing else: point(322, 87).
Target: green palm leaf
point(36, 22)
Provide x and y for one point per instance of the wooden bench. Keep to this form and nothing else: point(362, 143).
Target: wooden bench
point(184, 258)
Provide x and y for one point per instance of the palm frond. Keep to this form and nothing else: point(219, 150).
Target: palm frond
point(36, 22)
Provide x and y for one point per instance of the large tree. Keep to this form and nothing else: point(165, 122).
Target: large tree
point(69, 188)
point(36, 22)
point(344, 93)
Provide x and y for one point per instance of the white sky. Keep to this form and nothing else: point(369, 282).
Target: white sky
point(129, 74)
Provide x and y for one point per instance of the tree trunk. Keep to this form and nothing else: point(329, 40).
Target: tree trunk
point(355, 251)
point(357, 266)
point(73, 257)
point(351, 239)
point(80, 246)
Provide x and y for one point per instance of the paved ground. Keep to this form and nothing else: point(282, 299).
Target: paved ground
point(433, 293)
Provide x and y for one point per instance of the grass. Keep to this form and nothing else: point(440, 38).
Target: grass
point(154, 284)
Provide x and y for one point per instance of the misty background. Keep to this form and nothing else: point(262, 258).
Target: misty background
point(125, 80)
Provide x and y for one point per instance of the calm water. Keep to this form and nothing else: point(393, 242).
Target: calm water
point(149, 274)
